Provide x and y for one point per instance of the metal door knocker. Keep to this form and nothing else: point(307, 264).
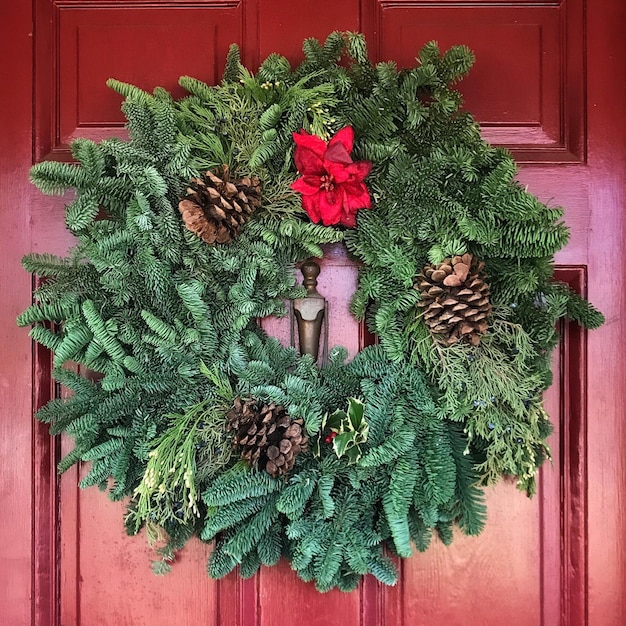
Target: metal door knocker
point(310, 314)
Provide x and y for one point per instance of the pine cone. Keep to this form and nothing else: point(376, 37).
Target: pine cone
point(215, 208)
point(455, 299)
point(269, 439)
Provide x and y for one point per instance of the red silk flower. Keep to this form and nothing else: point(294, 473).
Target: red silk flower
point(332, 184)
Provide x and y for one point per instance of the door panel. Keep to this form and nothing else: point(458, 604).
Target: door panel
point(541, 87)
point(138, 43)
point(82, 44)
point(106, 577)
point(527, 87)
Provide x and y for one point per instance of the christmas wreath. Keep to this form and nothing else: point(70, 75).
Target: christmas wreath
point(190, 232)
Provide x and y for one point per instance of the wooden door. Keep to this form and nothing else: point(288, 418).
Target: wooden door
point(548, 83)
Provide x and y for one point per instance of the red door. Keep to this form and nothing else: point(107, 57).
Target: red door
point(548, 83)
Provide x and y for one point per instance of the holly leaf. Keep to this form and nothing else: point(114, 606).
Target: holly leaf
point(336, 420)
point(342, 442)
point(349, 430)
point(355, 412)
point(361, 435)
point(353, 454)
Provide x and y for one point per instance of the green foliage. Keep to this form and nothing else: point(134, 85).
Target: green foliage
point(169, 326)
point(168, 492)
point(347, 431)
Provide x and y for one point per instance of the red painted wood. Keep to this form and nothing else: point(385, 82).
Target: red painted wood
point(72, 98)
point(556, 560)
point(17, 542)
point(46, 455)
point(540, 114)
point(283, 30)
point(106, 576)
point(606, 389)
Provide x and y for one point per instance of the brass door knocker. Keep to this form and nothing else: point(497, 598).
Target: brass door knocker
point(310, 314)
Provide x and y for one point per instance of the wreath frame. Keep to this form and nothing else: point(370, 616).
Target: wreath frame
point(168, 322)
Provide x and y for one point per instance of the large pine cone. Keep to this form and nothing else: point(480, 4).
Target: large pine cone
point(455, 299)
point(215, 208)
point(268, 438)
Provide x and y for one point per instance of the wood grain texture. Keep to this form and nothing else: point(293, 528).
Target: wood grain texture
point(283, 26)
point(46, 455)
point(82, 48)
point(606, 392)
point(16, 427)
point(556, 561)
point(527, 86)
point(106, 577)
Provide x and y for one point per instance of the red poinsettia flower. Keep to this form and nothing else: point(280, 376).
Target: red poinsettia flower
point(332, 184)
